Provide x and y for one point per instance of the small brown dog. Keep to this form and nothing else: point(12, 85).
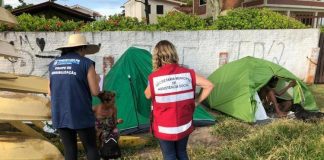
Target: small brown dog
point(106, 125)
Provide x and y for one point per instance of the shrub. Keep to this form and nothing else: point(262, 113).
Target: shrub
point(255, 19)
point(322, 29)
point(180, 21)
point(169, 22)
point(235, 19)
point(29, 23)
point(115, 23)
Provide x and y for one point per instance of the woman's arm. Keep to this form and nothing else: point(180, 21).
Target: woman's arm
point(291, 84)
point(206, 86)
point(93, 80)
point(119, 121)
point(147, 92)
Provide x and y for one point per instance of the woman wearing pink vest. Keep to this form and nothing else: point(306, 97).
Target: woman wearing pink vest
point(172, 90)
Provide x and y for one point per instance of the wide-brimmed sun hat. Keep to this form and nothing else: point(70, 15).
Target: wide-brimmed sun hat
point(8, 50)
point(7, 18)
point(78, 40)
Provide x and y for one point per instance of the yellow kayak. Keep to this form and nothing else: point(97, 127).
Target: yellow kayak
point(15, 106)
point(23, 83)
point(16, 147)
point(7, 76)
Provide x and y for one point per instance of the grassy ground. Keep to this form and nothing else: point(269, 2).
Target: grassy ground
point(232, 139)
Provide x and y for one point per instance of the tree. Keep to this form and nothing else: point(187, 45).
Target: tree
point(8, 7)
point(23, 4)
point(189, 2)
point(146, 4)
point(214, 8)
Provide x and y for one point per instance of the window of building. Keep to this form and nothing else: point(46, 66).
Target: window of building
point(159, 9)
point(202, 2)
point(149, 9)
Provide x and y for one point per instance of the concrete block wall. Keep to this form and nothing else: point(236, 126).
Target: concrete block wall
point(199, 50)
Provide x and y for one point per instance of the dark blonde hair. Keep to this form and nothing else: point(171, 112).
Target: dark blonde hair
point(164, 53)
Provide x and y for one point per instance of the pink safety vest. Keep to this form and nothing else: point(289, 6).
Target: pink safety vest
point(173, 94)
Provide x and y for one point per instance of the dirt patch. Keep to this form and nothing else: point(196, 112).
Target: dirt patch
point(203, 136)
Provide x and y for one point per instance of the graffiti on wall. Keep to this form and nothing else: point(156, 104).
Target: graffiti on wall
point(199, 51)
point(34, 64)
point(273, 52)
point(33, 58)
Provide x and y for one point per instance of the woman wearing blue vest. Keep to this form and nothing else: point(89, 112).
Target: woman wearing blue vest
point(73, 82)
point(172, 90)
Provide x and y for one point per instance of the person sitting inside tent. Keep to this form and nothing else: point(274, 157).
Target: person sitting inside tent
point(271, 98)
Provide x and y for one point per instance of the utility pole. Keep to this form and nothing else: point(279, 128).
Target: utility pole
point(146, 4)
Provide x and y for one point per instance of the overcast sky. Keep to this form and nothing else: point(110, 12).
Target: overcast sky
point(105, 7)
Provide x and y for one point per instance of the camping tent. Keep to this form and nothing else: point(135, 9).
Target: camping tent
point(128, 78)
point(237, 83)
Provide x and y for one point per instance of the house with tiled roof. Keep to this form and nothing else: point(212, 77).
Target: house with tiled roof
point(50, 9)
point(94, 14)
point(156, 8)
point(309, 12)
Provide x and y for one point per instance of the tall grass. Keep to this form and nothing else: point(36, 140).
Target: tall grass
point(282, 139)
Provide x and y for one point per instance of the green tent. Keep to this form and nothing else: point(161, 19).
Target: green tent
point(128, 78)
point(237, 83)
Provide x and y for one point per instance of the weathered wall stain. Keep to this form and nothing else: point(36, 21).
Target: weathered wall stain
point(108, 62)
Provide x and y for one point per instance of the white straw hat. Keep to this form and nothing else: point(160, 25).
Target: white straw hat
point(8, 50)
point(77, 40)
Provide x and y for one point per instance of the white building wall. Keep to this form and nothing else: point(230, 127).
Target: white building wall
point(167, 7)
point(136, 9)
point(199, 50)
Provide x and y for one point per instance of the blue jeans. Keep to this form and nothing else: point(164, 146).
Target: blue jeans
point(172, 150)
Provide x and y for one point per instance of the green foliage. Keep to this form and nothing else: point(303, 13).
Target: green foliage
point(180, 21)
point(115, 23)
point(318, 92)
point(8, 7)
point(235, 19)
point(23, 4)
point(169, 22)
point(255, 19)
point(34, 23)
